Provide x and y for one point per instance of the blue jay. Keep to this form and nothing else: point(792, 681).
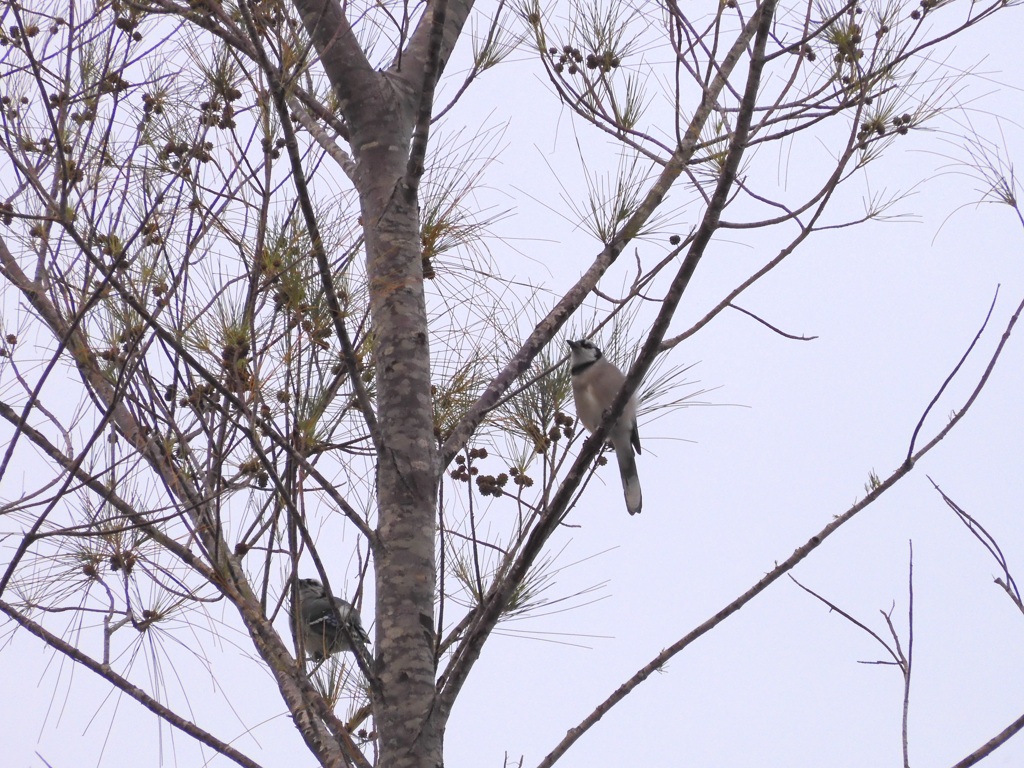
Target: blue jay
point(595, 383)
point(326, 629)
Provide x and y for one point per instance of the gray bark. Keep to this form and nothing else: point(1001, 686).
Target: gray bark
point(383, 110)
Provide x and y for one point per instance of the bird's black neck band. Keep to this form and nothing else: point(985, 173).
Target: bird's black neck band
point(583, 366)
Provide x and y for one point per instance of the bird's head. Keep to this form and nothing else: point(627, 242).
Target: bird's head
point(310, 588)
point(584, 351)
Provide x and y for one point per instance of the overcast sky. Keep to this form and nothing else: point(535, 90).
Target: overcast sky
point(787, 440)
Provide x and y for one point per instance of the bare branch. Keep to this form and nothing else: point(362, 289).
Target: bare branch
point(1007, 582)
point(104, 671)
point(769, 325)
point(992, 744)
point(963, 359)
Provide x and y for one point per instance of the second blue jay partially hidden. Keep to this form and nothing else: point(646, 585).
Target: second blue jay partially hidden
point(595, 383)
point(326, 629)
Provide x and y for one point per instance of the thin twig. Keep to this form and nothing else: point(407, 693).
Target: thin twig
point(769, 325)
point(988, 541)
point(963, 359)
point(897, 657)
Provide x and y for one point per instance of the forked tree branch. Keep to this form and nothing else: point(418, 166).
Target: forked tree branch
point(901, 659)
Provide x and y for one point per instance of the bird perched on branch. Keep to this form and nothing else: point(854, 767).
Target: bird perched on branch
point(595, 383)
point(329, 625)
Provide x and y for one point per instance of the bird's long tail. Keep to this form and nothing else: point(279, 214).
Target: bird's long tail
point(630, 481)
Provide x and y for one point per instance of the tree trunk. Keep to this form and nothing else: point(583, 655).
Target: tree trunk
point(407, 465)
point(381, 111)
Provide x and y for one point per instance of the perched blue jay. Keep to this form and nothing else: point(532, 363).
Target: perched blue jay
point(326, 629)
point(595, 383)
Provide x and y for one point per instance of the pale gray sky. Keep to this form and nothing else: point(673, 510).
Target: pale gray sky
point(729, 490)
